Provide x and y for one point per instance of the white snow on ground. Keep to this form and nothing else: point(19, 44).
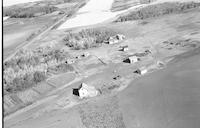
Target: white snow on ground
point(87, 19)
point(97, 5)
point(5, 18)
point(94, 12)
point(13, 2)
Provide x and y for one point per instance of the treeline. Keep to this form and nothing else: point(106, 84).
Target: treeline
point(28, 12)
point(156, 10)
point(87, 38)
point(28, 68)
point(71, 1)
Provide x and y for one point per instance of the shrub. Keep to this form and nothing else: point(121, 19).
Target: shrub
point(63, 67)
point(20, 83)
point(39, 76)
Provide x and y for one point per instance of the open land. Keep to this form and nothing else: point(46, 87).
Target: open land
point(20, 30)
point(167, 96)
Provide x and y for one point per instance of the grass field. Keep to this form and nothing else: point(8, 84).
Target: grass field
point(61, 79)
point(166, 97)
point(19, 30)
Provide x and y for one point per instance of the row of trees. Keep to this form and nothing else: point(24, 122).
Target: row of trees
point(28, 12)
point(158, 10)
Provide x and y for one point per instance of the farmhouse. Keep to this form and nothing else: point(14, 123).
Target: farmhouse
point(141, 71)
point(85, 54)
point(120, 37)
point(115, 39)
point(133, 59)
point(125, 48)
point(85, 91)
point(112, 40)
point(70, 61)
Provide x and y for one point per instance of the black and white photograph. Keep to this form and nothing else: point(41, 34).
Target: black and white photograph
point(100, 63)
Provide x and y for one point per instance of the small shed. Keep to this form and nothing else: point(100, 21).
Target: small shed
point(141, 71)
point(160, 64)
point(133, 59)
point(85, 91)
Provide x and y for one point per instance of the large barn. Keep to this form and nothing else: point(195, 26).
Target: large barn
point(85, 91)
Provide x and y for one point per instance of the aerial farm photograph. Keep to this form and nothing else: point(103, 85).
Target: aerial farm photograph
point(101, 63)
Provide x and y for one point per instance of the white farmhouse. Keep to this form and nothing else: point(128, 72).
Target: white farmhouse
point(85, 91)
point(141, 71)
point(133, 59)
point(120, 37)
point(112, 40)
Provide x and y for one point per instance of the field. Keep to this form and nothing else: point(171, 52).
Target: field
point(167, 95)
point(17, 31)
point(21, 30)
point(61, 79)
point(168, 98)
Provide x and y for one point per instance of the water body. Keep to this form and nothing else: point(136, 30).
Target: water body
point(94, 12)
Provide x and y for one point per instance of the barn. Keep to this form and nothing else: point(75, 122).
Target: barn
point(141, 71)
point(133, 59)
point(85, 91)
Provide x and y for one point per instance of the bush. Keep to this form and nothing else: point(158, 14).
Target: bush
point(39, 77)
point(157, 10)
point(87, 38)
point(61, 68)
point(24, 82)
point(19, 84)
